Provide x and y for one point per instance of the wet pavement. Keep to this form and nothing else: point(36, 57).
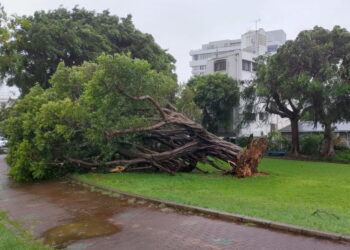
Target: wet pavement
point(69, 216)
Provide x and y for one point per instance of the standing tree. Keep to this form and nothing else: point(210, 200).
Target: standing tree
point(308, 75)
point(326, 62)
point(216, 95)
point(45, 39)
point(279, 88)
point(185, 104)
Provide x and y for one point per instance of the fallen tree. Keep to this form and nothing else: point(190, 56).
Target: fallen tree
point(113, 116)
point(184, 143)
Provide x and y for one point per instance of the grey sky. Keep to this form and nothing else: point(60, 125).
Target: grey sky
point(180, 25)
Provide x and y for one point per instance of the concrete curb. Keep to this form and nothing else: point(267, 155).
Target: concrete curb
point(226, 216)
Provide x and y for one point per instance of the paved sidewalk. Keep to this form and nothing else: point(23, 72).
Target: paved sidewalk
point(69, 216)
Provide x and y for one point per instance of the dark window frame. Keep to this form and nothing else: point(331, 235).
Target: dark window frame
point(220, 65)
point(246, 65)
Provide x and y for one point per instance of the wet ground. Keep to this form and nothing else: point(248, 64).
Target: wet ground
point(69, 216)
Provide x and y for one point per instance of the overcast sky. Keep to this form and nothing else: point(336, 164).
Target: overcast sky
point(182, 25)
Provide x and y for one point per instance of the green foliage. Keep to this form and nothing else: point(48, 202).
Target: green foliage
point(45, 39)
point(216, 95)
point(311, 144)
point(324, 59)
point(342, 156)
point(186, 105)
point(278, 89)
point(309, 75)
point(69, 120)
point(5, 110)
point(4, 26)
point(277, 142)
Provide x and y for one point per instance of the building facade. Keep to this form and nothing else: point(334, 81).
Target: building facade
point(236, 59)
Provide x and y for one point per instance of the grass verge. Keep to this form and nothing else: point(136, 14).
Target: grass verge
point(310, 194)
point(13, 237)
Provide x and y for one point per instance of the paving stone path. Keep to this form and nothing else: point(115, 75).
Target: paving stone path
point(69, 216)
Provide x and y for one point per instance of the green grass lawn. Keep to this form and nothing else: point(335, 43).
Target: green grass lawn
point(11, 240)
point(291, 193)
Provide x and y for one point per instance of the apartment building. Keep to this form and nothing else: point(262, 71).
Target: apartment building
point(236, 59)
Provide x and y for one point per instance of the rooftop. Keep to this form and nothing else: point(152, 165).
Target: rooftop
point(308, 127)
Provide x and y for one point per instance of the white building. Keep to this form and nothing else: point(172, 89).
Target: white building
point(236, 58)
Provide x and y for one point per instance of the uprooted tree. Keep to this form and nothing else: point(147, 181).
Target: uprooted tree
point(113, 115)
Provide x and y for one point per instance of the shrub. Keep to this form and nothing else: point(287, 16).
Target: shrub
point(341, 143)
point(342, 156)
point(277, 142)
point(311, 144)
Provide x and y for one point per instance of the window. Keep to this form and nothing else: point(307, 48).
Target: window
point(254, 66)
point(272, 48)
point(206, 56)
point(246, 65)
point(250, 116)
point(195, 57)
point(220, 65)
point(202, 67)
point(273, 127)
point(262, 116)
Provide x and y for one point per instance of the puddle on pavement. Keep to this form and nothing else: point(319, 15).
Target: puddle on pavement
point(83, 214)
point(91, 213)
point(62, 235)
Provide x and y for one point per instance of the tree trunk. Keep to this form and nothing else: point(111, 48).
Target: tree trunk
point(247, 164)
point(329, 142)
point(176, 143)
point(295, 136)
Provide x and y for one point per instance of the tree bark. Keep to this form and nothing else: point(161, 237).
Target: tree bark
point(186, 143)
point(176, 143)
point(247, 164)
point(329, 142)
point(294, 122)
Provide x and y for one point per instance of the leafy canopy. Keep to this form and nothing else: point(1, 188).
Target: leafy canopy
point(328, 70)
point(185, 104)
point(69, 120)
point(45, 39)
point(308, 76)
point(216, 95)
point(326, 64)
